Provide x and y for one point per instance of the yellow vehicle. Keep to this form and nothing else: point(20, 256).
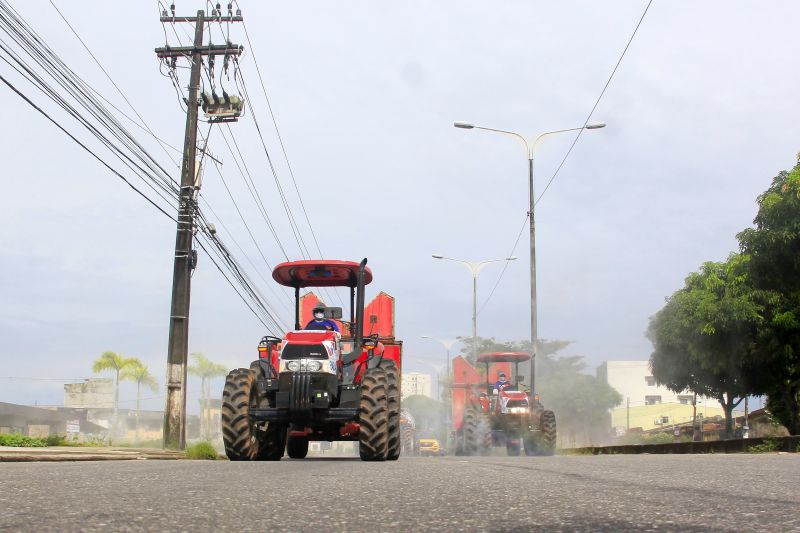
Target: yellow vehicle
point(430, 447)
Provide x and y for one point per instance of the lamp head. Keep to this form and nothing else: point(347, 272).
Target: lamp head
point(437, 256)
point(464, 125)
point(595, 125)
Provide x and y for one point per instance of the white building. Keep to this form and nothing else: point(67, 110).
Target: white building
point(415, 383)
point(635, 382)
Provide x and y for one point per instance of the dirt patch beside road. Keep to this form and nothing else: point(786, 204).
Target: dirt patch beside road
point(69, 453)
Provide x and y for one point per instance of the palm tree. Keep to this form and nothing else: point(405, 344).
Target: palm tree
point(138, 372)
point(206, 371)
point(111, 362)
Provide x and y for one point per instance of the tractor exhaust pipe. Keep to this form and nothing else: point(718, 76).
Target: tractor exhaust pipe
point(359, 333)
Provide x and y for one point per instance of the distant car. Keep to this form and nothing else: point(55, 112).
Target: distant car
point(430, 447)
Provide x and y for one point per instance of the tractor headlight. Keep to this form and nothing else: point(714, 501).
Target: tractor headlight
point(313, 366)
point(293, 366)
point(517, 410)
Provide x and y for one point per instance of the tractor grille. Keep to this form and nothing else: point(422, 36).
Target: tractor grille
point(301, 392)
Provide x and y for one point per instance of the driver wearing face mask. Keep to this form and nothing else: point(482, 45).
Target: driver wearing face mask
point(320, 322)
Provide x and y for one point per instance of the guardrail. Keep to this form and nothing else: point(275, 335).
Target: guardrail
point(761, 444)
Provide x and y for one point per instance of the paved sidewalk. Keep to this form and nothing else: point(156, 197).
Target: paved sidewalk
point(75, 453)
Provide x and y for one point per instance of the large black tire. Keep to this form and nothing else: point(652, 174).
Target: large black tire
point(273, 436)
point(408, 442)
point(297, 447)
point(394, 444)
point(484, 430)
point(549, 434)
point(273, 443)
point(240, 435)
point(472, 441)
point(373, 416)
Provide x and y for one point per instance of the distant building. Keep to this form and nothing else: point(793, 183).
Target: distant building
point(94, 393)
point(645, 404)
point(415, 383)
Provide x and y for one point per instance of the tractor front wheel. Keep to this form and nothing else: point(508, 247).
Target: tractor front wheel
point(512, 447)
point(373, 416)
point(297, 447)
point(240, 435)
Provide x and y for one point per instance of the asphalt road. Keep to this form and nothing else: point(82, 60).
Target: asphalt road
point(565, 493)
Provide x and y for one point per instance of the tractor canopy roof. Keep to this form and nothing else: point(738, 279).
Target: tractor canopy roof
point(504, 357)
point(319, 273)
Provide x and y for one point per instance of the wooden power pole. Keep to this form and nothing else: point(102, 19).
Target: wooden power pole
point(185, 255)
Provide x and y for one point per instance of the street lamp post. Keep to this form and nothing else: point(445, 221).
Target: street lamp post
point(448, 344)
point(530, 148)
point(475, 268)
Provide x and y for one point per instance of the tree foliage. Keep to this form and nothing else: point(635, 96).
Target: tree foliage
point(705, 334)
point(206, 370)
point(774, 249)
point(136, 371)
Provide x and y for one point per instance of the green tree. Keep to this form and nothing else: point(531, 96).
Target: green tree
point(136, 371)
point(206, 371)
point(704, 335)
point(774, 249)
point(114, 363)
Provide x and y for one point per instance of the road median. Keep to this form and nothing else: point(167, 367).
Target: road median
point(76, 453)
point(756, 445)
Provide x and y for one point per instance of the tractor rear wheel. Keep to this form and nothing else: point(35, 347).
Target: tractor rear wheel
point(297, 447)
point(273, 443)
point(548, 446)
point(484, 430)
point(470, 427)
point(240, 434)
point(393, 406)
point(373, 416)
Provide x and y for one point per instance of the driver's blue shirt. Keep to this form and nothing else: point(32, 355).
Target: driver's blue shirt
point(324, 324)
point(499, 383)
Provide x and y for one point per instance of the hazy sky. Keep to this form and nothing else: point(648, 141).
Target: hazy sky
point(701, 115)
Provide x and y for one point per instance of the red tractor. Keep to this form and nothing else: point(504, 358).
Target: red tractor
point(485, 414)
point(318, 385)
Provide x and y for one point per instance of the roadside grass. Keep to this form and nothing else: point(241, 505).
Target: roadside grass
point(22, 441)
point(151, 443)
point(202, 450)
point(17, 440)
point(768, 446)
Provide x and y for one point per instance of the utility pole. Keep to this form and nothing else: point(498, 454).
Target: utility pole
point(185, 255)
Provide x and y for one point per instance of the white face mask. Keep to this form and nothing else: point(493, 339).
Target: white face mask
point(319, 316)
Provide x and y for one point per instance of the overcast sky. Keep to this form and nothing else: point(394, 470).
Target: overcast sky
point(701, 115)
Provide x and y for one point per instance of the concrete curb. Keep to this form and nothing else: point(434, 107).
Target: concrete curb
point(68, 453)
point(782, 444)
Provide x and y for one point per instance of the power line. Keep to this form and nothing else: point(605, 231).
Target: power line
point(596, 103)
point(79, 143)
point(144, 123)
point(505, 266)
point(569, 151)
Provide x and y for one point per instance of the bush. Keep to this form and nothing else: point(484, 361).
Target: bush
point(769, 445)
point(57, 440)
point(201, 450)
point(645, 438)
point(16, 439)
